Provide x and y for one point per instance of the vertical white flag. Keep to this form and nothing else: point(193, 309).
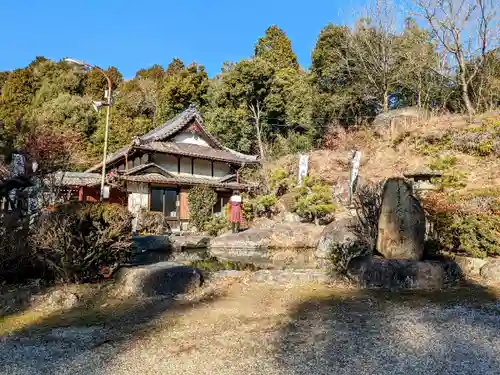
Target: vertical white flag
point(355, 162)
point(303, 165)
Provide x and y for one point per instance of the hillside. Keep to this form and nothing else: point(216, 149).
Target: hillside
point(468, 154)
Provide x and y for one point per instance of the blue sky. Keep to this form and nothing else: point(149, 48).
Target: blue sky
point(136, 34)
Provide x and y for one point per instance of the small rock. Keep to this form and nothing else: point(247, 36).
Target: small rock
point(491, 271)
point(61, 299)
point(290, 217)
point(470, 266)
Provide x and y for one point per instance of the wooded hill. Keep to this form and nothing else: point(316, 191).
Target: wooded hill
point(356, 73)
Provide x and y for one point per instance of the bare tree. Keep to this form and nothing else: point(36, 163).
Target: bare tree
point(373, 50)
point(465, 30)
point(256, 110)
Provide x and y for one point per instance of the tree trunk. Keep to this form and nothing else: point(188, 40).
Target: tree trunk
point(465, 89)
point(467, 102)
point(259, 138)
point(386, 101)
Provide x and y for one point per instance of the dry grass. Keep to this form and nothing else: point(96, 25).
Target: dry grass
point(392, 157)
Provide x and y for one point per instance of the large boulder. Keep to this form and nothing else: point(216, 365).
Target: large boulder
point(470, 266)
point(294, 236)
point(401, 225)
point(491, 271)
point(159, 279)
point(371, 272)
point(262, 245)
point(337, 232)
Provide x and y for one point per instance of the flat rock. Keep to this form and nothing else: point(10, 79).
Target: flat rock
point(151, 243)
point(295, 236)
point(259, 245)
point(187, 242)
point(491, 271)
point(370, 272)
point(159, 279)
point(470, 266)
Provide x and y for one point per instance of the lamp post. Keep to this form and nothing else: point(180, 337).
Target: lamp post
point(108, 105)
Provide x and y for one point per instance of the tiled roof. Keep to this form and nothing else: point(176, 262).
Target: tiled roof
point(77, 178)
point(181, 180)
point(188, 149)
point(171, 127)
point(141, 167)
point(121, 152)
point(174, 125)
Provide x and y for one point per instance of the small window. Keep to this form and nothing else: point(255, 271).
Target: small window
point(156, 203)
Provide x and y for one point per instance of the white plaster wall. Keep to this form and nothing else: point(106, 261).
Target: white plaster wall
point(221, 169)
point(169, 162)
point(202, 168)
point(187, 137)
point(138, 198)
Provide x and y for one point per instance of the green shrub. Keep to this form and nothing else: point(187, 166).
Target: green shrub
point(76, 239)
point(451, 178)
point(265, 205)
point(293, 143)
point(313, 200)
point(473, 234)
point(217, 225)
point(201, 200)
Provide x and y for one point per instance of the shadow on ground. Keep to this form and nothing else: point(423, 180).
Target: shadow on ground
point(454, 331)
point(61, 342)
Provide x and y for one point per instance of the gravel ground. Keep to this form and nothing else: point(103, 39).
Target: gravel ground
point(249, 328)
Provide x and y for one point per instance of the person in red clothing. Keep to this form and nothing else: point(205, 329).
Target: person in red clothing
point(235, 213)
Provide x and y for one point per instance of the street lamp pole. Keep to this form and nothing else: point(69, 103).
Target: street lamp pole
point(108, 110)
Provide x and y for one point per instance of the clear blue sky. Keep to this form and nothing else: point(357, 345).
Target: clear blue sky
point(132, 34)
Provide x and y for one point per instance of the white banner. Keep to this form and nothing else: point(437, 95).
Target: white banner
point(355, 163)
point(303, 165)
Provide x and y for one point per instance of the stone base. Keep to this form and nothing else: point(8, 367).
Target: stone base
point(370, 272)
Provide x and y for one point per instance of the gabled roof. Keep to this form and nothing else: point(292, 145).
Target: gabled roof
point(175, 125)
point(151, 141)
point(149, 168)
point(227, 182)
point(203, 152)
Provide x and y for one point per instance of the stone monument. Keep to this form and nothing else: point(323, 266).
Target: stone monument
point(401, 225)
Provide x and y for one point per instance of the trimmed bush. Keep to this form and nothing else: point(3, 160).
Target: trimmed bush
point(201, 200)
point(217, 225)
point(466, 224)
point(76, 240)
point(313, 200)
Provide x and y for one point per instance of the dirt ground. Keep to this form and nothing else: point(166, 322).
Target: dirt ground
point(236, 327)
